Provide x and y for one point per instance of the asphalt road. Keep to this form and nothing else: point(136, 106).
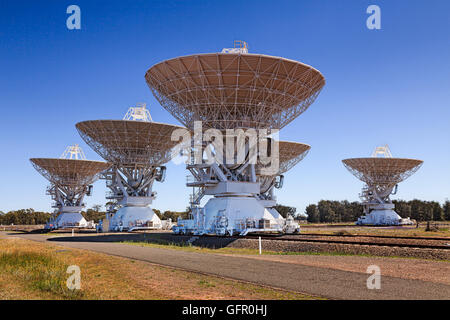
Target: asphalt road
point(324, 282)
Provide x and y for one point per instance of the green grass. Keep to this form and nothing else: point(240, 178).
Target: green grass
point(38, 272)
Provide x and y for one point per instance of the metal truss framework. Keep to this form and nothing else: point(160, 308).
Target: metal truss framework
point(137, 151)
point(381, 176)
point(229, 90)
point(73, 152)
point(382, 171)
point(70, 179)
point(138, 113)
point(290, 153)
point(129, 143)
point(235, 90)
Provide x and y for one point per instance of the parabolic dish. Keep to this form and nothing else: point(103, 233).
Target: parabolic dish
point(227, 90)
point(69, 172)
point(290, 153)
point(129, 142)
point(382, 171)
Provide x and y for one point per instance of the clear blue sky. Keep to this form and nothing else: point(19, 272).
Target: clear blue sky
point(388, 86)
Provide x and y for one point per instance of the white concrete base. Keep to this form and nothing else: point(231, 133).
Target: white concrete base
point(68, 220)
point(289, 225)
point(387, 217)
point(134, 218)
point(228, 216)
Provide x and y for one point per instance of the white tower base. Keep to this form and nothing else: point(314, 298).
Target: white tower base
point(229, 216)
point(134, 218)
point(382, 214)
point(68, 220)
point(289, 225)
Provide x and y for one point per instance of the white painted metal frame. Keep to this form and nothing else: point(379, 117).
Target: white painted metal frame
point(137, 150)
point(71, 180)
point(381, 176)
point(232, 90)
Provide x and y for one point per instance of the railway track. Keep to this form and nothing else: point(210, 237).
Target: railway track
point(366, 243)
point(376, 236)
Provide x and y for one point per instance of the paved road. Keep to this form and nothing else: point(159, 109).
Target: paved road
point(330, 283)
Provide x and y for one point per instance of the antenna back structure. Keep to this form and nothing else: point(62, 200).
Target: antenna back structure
point(383, 151)
point(73, 152)
point(138, 113)
point(239, 47)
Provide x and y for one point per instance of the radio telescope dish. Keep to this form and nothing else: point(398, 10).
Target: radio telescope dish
point(129, 142)
point(291, 153)
point(71, 180)
point(69, 173)
point(381, 175)
point(382, 171)
point(138, 149)
point(234, 90)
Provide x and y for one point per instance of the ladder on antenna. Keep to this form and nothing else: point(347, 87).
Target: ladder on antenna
point(239, 47)
point(382, 151)
point(138, 113)
point(73, 152)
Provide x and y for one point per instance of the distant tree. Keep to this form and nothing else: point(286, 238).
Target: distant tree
point(326, 212)
point(447, 210)
point(91, 214)
point(174, 215)
point(438, 211)
point(284, 211)
point(313, 213)
point(403, 208)
point(158, 212)
point(24, 216)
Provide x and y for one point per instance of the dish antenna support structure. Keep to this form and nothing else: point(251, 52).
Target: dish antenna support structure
point(138, 113)
point(381, 176)
point(73, 152)
point(137, 150)
point(290, 154)
point(71, 178)
point(219, 96)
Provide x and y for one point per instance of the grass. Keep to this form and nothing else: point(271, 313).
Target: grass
point(37, 272)
point(32, 270)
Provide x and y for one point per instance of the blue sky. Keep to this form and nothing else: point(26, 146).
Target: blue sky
point(388, 86)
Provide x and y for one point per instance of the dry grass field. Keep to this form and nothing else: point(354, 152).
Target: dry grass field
point(31, 270)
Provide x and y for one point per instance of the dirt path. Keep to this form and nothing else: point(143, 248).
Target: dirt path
point(314, 280)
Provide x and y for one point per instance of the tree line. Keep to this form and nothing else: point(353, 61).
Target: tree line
point(345, 211)
point(24, 216)
point(324, 211)
point(32, 217)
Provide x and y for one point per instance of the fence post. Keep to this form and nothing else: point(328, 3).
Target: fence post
point(260, 249)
